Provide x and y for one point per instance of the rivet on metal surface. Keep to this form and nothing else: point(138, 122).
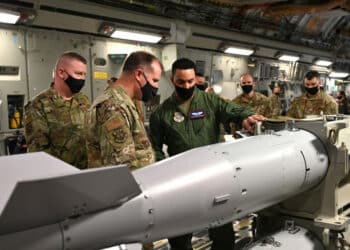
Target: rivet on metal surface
point(150, 211)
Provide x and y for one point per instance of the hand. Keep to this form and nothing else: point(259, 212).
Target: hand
point(251, 120)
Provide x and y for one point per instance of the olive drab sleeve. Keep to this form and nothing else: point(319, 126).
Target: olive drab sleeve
point(156, 136)
point(230, 111)
point(36, 128)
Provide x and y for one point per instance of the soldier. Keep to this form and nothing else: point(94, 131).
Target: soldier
point(116, 134)
point(342, 102)
point(249, 98)
point(275, 102)
point(188, 119)
point(54, 119)
point(314, 101)
point(200, 82)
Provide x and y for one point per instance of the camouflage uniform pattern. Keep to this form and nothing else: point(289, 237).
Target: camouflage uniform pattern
point(258, 102)
point(312, 105)
point(56, 126)
point(116, 134)
point(274, 103)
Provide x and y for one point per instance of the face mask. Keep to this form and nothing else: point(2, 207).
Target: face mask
point(312, 91)
point(75, 85)
point(148, 91)
point(183, 93)
point(247, 88)
point(201, 87)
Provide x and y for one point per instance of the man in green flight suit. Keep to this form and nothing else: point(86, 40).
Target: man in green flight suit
point(116, 134)
point(54, 119)
point(314, 101)
point(191, 118)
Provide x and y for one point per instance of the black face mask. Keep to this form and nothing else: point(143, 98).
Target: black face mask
point(312, 91)
point(148, 91)
point(201, 87)
point(183, 93)
point(247, 88)
point(75, 85)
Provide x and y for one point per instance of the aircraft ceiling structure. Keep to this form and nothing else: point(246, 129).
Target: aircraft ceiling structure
point(323, 25)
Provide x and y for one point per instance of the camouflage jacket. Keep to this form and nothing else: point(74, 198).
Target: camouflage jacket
point(116, 134)
point(312, 105)
point(274, 103)
point(56, 126)
point(258, 102)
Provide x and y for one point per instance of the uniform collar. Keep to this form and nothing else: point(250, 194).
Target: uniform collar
point(59, 100)
point(194, 100)
point(247, 97)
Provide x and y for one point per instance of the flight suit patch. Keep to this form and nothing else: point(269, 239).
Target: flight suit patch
point(178, 117)
point(197, 114)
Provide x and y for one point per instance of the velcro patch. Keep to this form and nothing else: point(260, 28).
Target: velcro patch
point(197, 114)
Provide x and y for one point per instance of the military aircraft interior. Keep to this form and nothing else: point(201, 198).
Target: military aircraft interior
point(285, 187)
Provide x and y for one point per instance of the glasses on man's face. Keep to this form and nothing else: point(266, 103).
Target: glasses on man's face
point(249, 82)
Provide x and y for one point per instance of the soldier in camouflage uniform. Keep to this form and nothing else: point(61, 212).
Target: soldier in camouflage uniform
point(274, 102)
point(116, 133)
point(54, 119)
point(314, 101)
point(249, 98)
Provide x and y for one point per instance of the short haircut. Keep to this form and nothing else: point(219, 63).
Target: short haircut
point(71, 55)
point(139, 59)
point(199, 74)
point(246, 74)
point(68, 55)
point(311, 74)
point(183, 63)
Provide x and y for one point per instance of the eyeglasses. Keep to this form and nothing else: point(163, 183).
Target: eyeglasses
point(246, 82)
